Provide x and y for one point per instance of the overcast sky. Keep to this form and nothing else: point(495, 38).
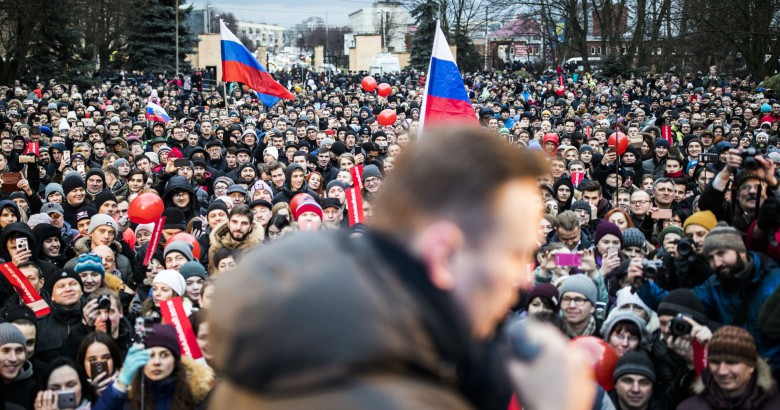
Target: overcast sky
point(288, 13)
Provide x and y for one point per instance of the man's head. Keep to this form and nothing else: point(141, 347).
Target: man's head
point(634, 378)
point(732, 359)
point(465, 226)
point(726, 252)
point(697, 226)
point(12, 352)
point(24, 319)
point(578, 300)
point(568, 229)
point(680, 301)
point(591, 192)
point(240, 222)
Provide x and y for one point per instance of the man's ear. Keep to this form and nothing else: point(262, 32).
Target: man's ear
point(437, 245)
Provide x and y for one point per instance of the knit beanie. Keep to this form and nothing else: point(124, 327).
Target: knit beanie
point(670, 229)
point(705, 219)
point(617, 316)
point(164, 336)
point(633, 237)
point(181, 247)
point(174, 218)
point(732, 344)
point(580, 284)
point(192, 268)
point(545, 291)
point(172, 279)
point(72, 182)
point(683, 301)
point(580, 204)
point(307, 206)
point(607, 228)
point(121, 161)
point(103, 197)
point(144, 227)
point(627, 296)
point(586, 148)
point(662, 143)
point(85, 212)
point(19, 312)
point(371, 171)
point(51, 188)
point(723, 237)
point(37, 219)
point(635, 362)
point(225, 180)
point(90, 262)
point(338, 183)
point(11, 334)
point(100, 220)
point(217, 205)
point(64, 274)
point(260, 185)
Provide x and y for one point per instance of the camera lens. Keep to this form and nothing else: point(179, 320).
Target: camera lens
point(104, 302)
point(684, 248)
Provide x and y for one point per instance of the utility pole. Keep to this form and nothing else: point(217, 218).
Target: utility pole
point(177, 38)
point(486, 39)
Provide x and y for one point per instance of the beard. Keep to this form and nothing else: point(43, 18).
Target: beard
point(200, 180)
point(239, 236)
point(728, 275)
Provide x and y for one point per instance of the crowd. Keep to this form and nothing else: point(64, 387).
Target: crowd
point(663, 248)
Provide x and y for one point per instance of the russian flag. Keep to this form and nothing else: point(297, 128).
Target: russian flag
point(238, 64)
point(156, 113)
point(445, 99)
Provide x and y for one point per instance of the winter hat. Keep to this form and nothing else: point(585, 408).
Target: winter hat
point(580, 284)
point(607, 228)
point(723, 237)
point(63, 274)
point(683, 301)
point(217, 205)
point(72, 182)
point(371, 171)
point(121, 161)
point(731, 343)
point(183, 248)
point(545, 291)
point(89, 262)
point(192, 268)
point(329, 203)
point(550, 137)
point(38, 219)
point(100, 220)
point(533, 145)
point(580, 204)
point(103, 197)
point(260, 185)
point(627, 296)
point(164, 336)
point(722, 146)
point(172, 279)
point(503, 131)
point(635, 362)
point(85, 212)
point(586, 148)
point(633, 237)
point(51, 188)
point(662, 143)
point(705, 219)
point(670, 229)
point(19, 312)
point(11, 334)
point(174, 218)
point(272, 151)
point(338, 148)
point(338, 183)
point(617, 316)
point(52, 207)
point(307, 205)
point(225, 180)
point(144, 227)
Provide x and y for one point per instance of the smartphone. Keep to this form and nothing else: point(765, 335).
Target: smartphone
point(662, 214)
point(197, 224)
point(21, 243)
point(181, 162)
point(708, 158)
point(66, 156)
point(80, 167)
point(95, 368)
point(610, 149)
point(612, 250)
point(66, 400)
point(568, 259)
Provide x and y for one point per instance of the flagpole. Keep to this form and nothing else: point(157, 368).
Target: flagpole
point(421, 128)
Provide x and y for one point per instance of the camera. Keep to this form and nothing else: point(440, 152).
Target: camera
point(679, 326)
point(143, 327)
point(749, 158)
point(685, 247)
point(104, 302)
point(650, 268)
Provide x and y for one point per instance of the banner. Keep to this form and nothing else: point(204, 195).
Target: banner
point(154, 240)
point(25, 289)
point(355, 206)
point(173, 313)
point(576, 178)
point(666, 133)
point(357, 176)
point(588, 131)
point(33, 148)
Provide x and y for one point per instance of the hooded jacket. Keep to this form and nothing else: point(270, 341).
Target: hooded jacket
point(761, 393)
point(220, 238)
point(22, 389)
point(287, 193)
point(179, 182)
point(43, 232)
point(22, 229)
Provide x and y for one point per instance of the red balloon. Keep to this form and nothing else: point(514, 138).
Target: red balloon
point(297, 199)
point(368, 84)
point(185, 237)
point(602, 358)
point(622, 142)
point(386, 117)
point(560, 91)
point(145, 209)
point(384, 89)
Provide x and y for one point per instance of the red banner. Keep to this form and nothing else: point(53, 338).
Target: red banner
point(173, 313)
point(560, 80)
point(700, 361)
point(588, 131)
point(355, 206)
point(25, 289)
point(576, 178)
point(154, 240)
point(33, 148)
point(357, 176)
point(666, 133)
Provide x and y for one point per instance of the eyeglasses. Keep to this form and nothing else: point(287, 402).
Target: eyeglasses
point(638, 202)
point(576, 301)
point(622, 338)
point(180, 195)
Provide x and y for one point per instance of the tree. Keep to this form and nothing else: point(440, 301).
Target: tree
point(20, 23)
point(425, 15)
point(151, 39)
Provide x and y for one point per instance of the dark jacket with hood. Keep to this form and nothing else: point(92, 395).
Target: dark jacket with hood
point(43, 232)
point(22, 389)
point(179, 182)
point(286, 194)
point(19, 229)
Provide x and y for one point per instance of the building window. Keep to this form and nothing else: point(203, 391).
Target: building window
point(593, 51)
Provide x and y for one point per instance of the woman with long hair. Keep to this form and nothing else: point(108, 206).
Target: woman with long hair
point(99, 357)
point(63, 376)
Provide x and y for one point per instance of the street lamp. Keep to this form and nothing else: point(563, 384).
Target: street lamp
point(177, 38)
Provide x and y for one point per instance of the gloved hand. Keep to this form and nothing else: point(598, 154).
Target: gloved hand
point(767, 215)
point(136, 358)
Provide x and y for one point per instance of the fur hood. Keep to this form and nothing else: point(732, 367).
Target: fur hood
point(200, 377)
point(114, 283)
point(764, 381)
point(220, 238)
